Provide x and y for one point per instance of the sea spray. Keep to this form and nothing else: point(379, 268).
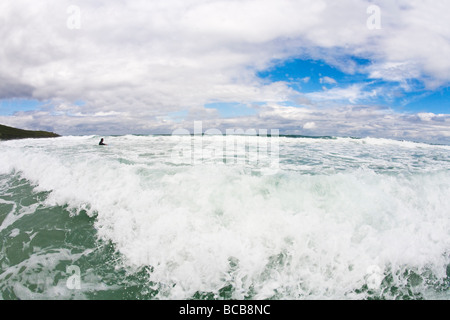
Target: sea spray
point(340, 218)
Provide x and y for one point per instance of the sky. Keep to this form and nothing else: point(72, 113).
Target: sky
point(359, 68)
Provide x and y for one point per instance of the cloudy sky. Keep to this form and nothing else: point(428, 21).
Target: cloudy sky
point(309, 67)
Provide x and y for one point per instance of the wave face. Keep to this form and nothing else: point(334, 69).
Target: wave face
point(185, 217)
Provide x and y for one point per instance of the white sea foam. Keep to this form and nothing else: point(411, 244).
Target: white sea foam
point(335, 211)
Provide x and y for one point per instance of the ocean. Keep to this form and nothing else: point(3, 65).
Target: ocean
point(163, 217)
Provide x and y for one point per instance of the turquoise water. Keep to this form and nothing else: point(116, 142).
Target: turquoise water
point(215, 217)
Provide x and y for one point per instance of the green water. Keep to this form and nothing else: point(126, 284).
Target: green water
point(37, 249)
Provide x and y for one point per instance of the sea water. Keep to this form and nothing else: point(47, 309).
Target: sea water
point(170, 217)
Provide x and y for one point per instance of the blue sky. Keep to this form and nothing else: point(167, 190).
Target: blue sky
point(307, 76)
point(10, 106)
point(428, 101)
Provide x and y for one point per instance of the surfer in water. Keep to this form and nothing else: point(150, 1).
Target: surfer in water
point(101, 143)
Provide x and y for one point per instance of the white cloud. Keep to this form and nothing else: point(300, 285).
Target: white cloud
point(400, 72)
point(327, 80)
point(309, 125)
point(134, 62)
point(353, 94)
point(305, 79)
point(350, 120)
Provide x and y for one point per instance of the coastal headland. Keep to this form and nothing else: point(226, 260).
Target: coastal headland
point(10, 133)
